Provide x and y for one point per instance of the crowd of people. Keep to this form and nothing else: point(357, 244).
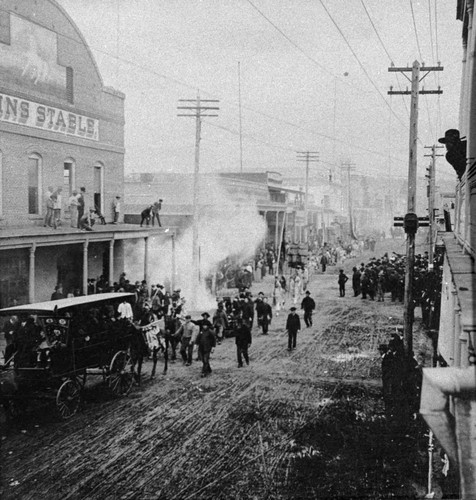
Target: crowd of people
point(385, 276)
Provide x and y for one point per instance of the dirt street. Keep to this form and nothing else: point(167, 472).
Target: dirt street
point(305, 424)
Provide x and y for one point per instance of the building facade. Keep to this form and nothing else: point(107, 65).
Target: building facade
point(448, 401)
point(60, 128)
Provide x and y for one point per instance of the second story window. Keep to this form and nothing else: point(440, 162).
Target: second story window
point(69, 84)
point(34, 172)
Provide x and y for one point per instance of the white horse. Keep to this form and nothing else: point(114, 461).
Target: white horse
point(36, 68)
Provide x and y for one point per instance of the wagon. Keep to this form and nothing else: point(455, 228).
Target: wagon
point(57, 344)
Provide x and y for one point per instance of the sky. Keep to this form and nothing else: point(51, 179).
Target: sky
point(313, 76)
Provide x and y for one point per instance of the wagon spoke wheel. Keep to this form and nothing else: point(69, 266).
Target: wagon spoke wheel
point(121, 374)
point(68, 398)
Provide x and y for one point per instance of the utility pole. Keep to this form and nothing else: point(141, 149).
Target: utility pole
point(431, 196)
point(348, 167)
point(411, 219)
point(197, 111)
point(308, 157)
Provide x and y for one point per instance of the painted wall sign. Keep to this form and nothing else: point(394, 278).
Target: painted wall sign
point(30, 58)
point(32, 114)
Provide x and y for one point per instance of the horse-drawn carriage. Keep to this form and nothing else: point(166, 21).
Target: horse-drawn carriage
point(57, 344)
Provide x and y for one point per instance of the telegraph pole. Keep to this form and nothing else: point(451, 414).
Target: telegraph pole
point(348, 167)
point(308, 157)
point(411, 219)
point(431, 196)
point(197, 111)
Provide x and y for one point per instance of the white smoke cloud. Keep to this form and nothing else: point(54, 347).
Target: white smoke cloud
point(229, 226)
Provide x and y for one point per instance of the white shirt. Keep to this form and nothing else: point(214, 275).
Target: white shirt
point(57, 203)
point(125, 310)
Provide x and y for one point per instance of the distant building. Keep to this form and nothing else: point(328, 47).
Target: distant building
point(274, 200)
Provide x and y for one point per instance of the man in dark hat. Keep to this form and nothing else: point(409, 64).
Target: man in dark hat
point(205, 342)
point(308, 305)
point(204, 321)
point(456, 151)
point(293, 326)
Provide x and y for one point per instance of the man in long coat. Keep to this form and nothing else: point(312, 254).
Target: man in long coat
point(206, 342)
point(242, 341)
point(293, 326)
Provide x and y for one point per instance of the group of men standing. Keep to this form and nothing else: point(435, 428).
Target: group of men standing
point(79, 217)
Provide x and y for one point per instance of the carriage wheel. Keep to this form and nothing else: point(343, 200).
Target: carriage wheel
point(121, 374)
point(68, 398)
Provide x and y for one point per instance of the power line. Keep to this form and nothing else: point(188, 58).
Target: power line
point(421, 59)
point(289, 149)
point(387, 52)
point(294, 44)
point(361, 65)
point(436, 30)
point(190, 86)
point(376, 32)
point(416, 31)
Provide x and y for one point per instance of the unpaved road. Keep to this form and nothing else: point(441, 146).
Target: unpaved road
point(290, 425)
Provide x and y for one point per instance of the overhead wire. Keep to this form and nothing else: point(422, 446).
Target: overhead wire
point(149, 70)
point(296, 46)
point(421, 60)
point(435, 73)
point(386, 52)
point(438, 61)
point(361, 65)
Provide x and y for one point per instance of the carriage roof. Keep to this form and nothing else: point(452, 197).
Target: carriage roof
point(55, 306)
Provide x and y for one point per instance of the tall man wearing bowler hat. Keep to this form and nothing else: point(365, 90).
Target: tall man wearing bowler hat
point(293, 326)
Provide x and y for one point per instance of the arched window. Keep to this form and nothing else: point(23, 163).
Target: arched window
point(34, 183)
point(69, 176)
point(99, 186)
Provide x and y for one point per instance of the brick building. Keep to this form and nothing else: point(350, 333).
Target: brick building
point(59, 127)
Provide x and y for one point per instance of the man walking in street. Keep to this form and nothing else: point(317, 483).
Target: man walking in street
point(308, 305)
point(206, 342)
point(242, 341)
point(264, 313)
point(187, 334)
point(293, 326)
point(220, 322)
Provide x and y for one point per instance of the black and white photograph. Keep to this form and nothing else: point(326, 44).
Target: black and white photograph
point(237, 245)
